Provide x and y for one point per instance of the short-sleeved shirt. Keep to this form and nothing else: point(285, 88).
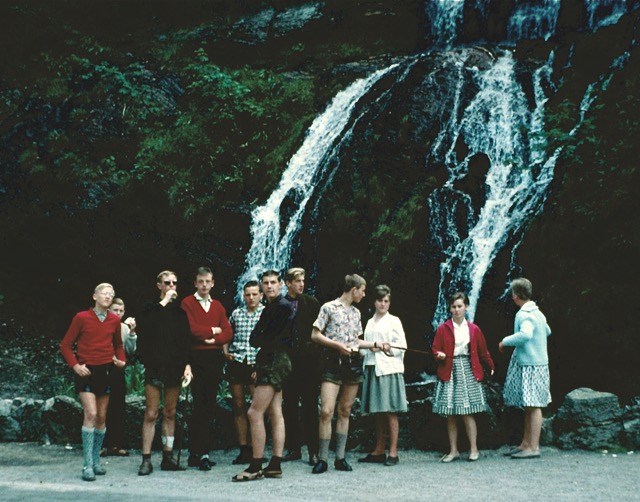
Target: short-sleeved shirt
point(243, 322)
point(339, 323)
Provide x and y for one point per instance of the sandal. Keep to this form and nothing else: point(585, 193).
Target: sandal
point(449, 458)
point(273, 473)
point(248, 476)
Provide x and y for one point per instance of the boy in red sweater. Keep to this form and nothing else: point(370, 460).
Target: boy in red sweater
point(210, 330)
point(99, 348)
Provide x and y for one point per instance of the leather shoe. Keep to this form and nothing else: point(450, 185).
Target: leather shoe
point(391, 461)
point(313, 459)
point(169, 463)
point(320, 467)
point(373, 459)
point(342, 465)
point(145, 467)
point(206, 464)
point(292, 455)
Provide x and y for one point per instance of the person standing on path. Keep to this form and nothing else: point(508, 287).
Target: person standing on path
point(99, 348)
point(337, 329)
point(273, 336)
point(240, 371)
point(303, 385)
point(114, 440)
point(461, 352)
point(383, 392)
point(163, 348)
point(528, 383)
point(210, 330)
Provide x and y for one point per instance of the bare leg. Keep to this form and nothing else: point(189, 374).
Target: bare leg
point(347, 396)
point(328, 395)
point(452, 432)
point(152, 396)
point(89, 409)
point(526, 434)
point(394, 430)
point(262, 398)
point(102, 404)
point(239, 414)
point(171, 395)
point(472, 432)
point(277, 424)
point(380, 434)
point(535, 427)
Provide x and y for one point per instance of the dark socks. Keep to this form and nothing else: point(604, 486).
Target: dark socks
point(274, 464)
point(255, 465)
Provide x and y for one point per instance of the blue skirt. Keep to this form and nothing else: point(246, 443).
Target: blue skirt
point(462, 394)
point(383, 394)
point(527, 386)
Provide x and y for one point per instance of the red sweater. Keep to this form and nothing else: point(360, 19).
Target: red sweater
point(97, 341)
point(444, 341)
point(201, 322)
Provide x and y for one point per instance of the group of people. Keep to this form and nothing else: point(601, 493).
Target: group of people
point(288, 353)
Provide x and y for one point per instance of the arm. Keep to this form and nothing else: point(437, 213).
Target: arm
point(521, 337)
point(438, 345)
point(119, 359)
point(318, 337)
point(483, 352)
point(200, 331)
point(66, 347)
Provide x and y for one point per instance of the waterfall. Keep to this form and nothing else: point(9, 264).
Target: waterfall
point(270, 247)
point(531, 20)
point(445, 16)
point(604, 12)
point(492, 124)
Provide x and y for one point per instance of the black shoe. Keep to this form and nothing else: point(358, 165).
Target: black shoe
point(373, 459)
point(313, 459)
point(206, 464)
point(145, 467)
point(169, 463)
point(194, 460)
point(391, 461)
point(342, 465)
point(292, 455)
point(320, 467)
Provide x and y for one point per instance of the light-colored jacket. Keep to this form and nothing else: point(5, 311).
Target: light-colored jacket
point(387, 329)
point(530, 336)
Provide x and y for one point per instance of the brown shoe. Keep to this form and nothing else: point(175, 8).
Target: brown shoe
point(145, 467)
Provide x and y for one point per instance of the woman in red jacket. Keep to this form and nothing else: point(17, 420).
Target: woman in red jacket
point(461, 352)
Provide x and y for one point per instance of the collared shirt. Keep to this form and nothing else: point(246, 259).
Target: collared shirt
point(339, 323)
point(243, 322)
point(462, 338)
point(293, 302)
point(101, 315)
point(205, 302)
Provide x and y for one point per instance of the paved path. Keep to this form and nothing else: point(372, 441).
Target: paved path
point(32, 472)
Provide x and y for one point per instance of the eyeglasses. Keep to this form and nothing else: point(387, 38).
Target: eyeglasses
point(169, 283)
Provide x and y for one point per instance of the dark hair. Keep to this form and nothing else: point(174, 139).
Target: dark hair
point(459, 295)
point(269, 273)
point(353, 281)
point(522, 288)
point(204, 271)
point(250, 284)
point(381, 291)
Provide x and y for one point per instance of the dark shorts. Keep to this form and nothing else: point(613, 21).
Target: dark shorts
point(163, 376)
point(272, 368)
point(99, 382)
point(239, 373)
point(342, 369)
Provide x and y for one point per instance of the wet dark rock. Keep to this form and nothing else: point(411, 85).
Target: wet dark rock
point(589, 419)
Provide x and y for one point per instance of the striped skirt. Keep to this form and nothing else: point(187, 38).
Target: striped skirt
point(462, 394)
point(383, 394)
point(527, 385)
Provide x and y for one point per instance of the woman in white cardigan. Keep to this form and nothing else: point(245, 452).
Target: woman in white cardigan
point(383, 391)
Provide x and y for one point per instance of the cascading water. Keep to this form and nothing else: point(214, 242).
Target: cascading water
point(272, 248)
point(604, 12)
point(533, 20)
point(492, 124)
point(445, 19)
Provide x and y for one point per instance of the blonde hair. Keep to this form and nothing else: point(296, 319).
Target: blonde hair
point(103, 285)
point(293, 273)
point(164, 274)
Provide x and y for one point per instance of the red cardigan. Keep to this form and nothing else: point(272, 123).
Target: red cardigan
point(201, 322)
point(97, 341)
point(444, 341)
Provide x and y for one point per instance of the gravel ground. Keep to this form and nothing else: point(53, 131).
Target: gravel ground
point(33, 472)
